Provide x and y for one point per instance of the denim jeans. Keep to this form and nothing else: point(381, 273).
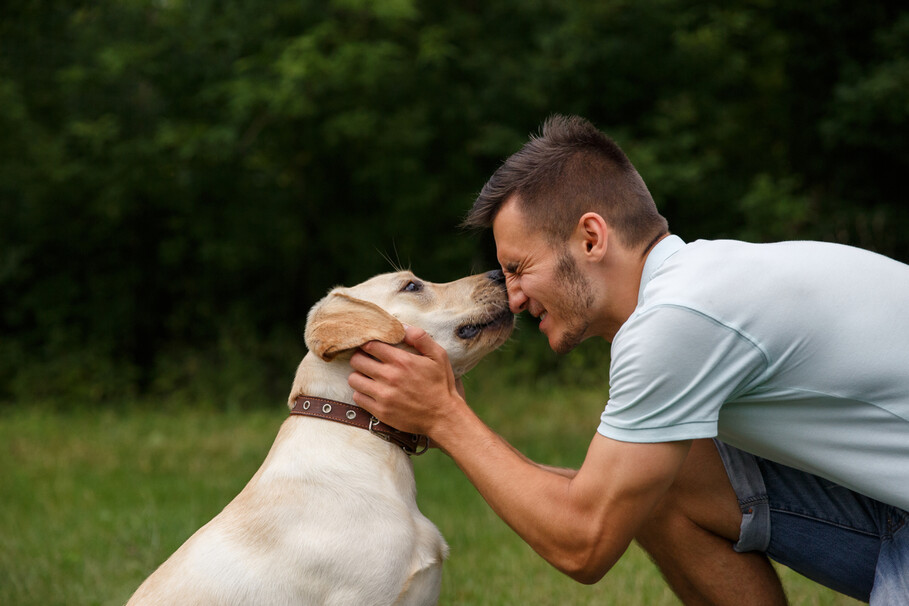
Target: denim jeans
point(839, 538)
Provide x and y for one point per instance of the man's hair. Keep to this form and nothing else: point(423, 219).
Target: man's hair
point(569, 169)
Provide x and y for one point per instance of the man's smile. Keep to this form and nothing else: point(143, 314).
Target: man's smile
point(537, 311)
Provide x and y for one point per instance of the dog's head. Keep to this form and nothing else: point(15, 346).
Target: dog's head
point(468, 317)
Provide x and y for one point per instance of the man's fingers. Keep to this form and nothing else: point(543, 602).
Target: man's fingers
point(375, 360)
point(359, 382)
point(378, 350)
point(368, 380)
point(362, 362)
point(420, 340)
point(362, 400)
point(364, 394)
point(391, 383)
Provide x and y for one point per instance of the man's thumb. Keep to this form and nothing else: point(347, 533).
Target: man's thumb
point(420, 340)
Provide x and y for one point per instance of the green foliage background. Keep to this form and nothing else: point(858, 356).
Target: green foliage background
point(180, 180)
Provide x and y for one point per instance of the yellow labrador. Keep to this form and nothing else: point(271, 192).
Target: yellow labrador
point(331, 515)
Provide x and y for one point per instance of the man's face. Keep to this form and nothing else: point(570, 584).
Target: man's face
point(543, 280)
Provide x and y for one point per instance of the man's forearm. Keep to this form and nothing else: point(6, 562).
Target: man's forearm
point(562, 471)
point(536, 501)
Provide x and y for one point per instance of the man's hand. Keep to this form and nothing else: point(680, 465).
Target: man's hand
point(411, 392)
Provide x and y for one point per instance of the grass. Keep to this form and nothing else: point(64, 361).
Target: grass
point(93, 501)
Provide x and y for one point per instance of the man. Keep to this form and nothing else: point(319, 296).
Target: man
point(795, 352)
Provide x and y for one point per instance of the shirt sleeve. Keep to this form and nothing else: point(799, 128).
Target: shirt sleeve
point(672, 370)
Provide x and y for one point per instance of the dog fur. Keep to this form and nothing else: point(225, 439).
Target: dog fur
point(331, 515)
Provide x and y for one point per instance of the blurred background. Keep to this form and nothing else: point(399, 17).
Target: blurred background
point(181, 180)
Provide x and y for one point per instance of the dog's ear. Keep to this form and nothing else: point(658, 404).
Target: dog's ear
point(340, 323)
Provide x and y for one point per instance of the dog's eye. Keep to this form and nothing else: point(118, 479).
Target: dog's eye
point(412, 286)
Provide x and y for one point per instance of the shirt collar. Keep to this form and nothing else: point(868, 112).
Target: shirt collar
point(664, 249)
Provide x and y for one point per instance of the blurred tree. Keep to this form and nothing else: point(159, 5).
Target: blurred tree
point(180, 181)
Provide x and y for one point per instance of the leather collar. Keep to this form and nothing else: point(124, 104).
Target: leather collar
point(348, 414)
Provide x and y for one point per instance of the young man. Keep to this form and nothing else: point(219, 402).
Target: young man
point(759, 394)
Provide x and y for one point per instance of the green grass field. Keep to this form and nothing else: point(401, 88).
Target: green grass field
point(93, 501)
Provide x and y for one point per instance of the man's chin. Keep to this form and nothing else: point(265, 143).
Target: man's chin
point(566, 342)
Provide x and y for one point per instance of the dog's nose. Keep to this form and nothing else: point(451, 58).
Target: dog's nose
point(496, 276)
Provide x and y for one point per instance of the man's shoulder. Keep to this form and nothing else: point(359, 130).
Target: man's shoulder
point(709, 275)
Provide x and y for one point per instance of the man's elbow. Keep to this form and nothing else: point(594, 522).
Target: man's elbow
point(587, 566)
point(588, 576)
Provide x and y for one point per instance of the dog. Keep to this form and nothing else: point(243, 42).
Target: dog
point(331, 515)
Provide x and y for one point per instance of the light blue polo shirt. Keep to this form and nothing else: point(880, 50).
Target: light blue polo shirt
point(797, 352)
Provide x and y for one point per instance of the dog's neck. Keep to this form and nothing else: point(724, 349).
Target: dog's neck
point(316, 377)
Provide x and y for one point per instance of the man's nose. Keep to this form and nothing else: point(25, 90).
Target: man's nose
point(517, 301)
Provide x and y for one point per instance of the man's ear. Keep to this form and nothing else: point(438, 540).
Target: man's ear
point(593, 233)
point(339, 323)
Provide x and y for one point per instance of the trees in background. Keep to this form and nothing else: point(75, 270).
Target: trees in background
point(180, 180)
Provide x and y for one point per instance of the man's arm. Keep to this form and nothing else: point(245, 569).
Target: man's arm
point(581, 524)
point(562, 471)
